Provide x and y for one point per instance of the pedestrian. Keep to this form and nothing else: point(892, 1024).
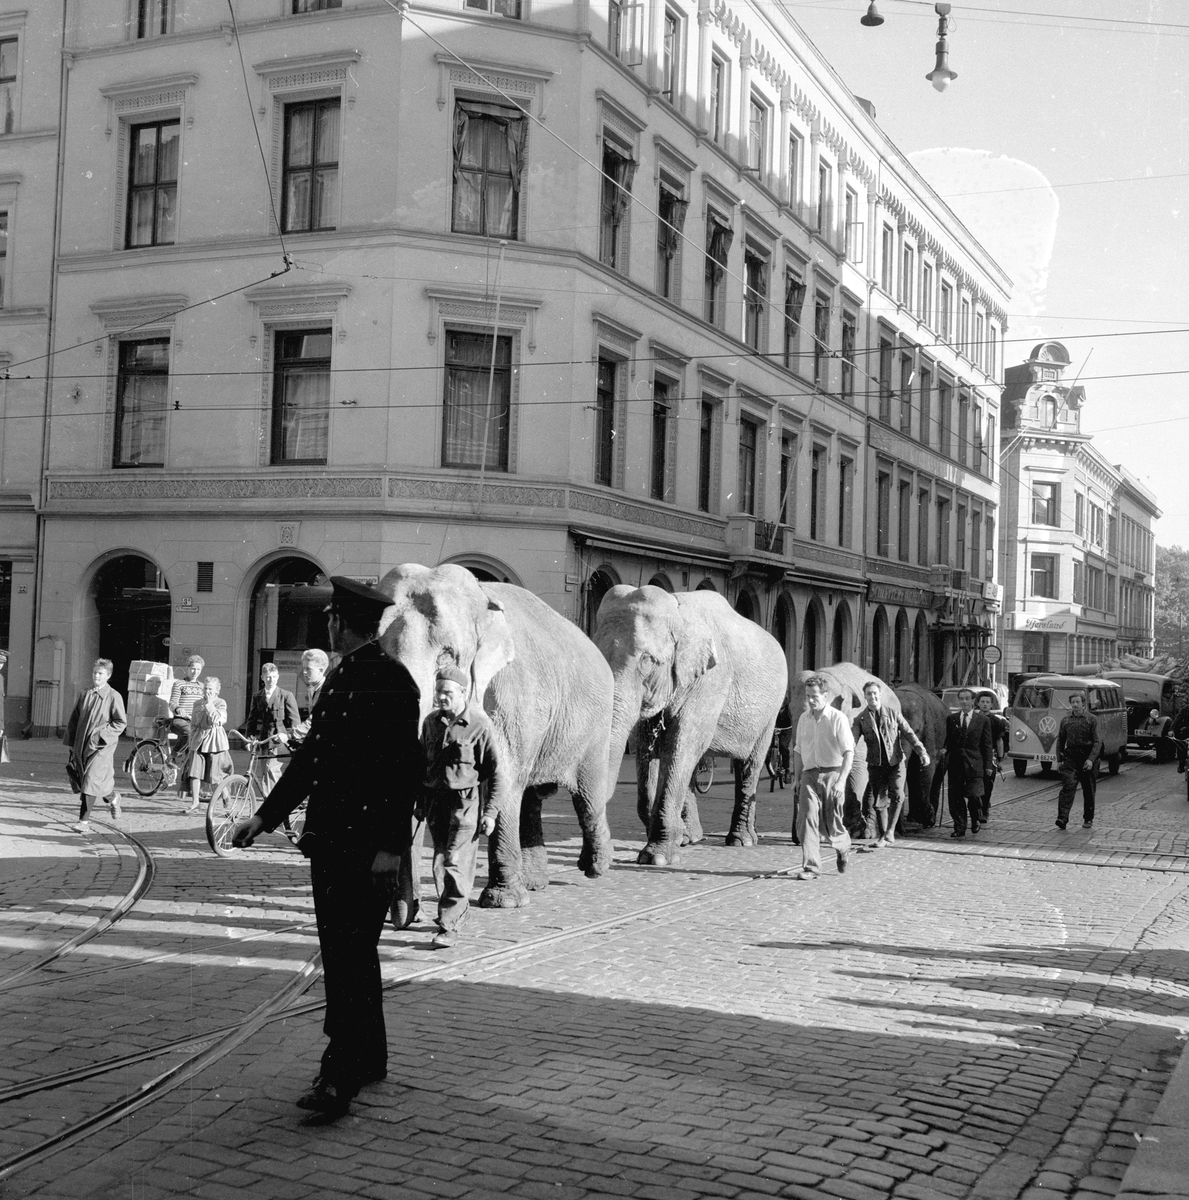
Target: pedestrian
point(361, 767)
point(272, 719)
point(314, 665)
point(210, 756)
point(462, 775)
point(92, 734)
point(968, 762)
point(822, 757)
point(889, 740)
point(1078, 748)
point(999, 730)
point(183, 696)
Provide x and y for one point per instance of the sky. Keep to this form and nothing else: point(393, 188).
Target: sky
point(1067, 133)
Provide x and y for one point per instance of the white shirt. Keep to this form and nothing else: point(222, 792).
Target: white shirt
point(823, 742)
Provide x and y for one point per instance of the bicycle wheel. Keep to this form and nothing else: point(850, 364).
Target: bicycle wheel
point(772, 766)
point(147, 767)
point(703, 776)
point(229, 806)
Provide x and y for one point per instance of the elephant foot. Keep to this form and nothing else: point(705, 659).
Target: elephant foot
point(594, 860)
point(665, 854)
point(743, 824)
point(688, 839)
point(534, 868)
point(504, 896)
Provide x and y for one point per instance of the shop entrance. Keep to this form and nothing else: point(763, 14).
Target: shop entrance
point(132, 600)
point(287, 618)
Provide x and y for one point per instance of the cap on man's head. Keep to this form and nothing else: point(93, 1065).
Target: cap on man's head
point(454, 675)
point(355, 599)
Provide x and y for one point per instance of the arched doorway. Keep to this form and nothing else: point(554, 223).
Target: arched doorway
point(661, 581)
point(784, 623)
point(920, 650)
point(707, 585)
point(746, 606)
point(484, 568)
point(879, 644)
point(811, 638)
point(840, 643)
point(902, 650)
point(132, 600)
point(286, 618)
point(597, 586)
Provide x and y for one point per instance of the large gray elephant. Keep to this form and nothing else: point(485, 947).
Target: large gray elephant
point(691, 676)
point(926, 714)
point(547, 690)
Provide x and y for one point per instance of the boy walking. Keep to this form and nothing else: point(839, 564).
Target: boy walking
point(92, 734)
point(461, 763)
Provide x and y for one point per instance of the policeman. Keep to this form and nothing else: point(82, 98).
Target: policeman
point(1078, 748)
point(360, 766)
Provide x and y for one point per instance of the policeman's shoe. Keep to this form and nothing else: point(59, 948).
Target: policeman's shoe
point(974, 827)
point(329, 1099)
point(444, 939)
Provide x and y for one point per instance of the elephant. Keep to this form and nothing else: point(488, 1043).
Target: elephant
point(547, 690)
point(926, 714)
point(691, 676)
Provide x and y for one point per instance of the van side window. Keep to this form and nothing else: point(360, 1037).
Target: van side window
point(1095, 699)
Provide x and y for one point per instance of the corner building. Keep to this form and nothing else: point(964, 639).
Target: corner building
point(581, 294)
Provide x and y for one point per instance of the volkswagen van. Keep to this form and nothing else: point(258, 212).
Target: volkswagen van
point(1041, 702)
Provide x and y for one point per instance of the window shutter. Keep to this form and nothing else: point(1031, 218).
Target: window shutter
point(206, 577)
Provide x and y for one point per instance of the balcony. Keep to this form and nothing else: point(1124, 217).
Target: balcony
point(749, 537)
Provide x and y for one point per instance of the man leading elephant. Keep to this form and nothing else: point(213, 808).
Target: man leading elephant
point(888, 739)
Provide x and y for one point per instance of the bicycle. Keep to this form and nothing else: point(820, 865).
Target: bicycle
point(238, 797)
point(703, 776)
point(778, 762)
point(155, 762)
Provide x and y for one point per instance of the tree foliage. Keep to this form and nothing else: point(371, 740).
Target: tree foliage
point(1172, 599)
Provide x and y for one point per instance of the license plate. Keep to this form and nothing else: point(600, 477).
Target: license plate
point(1045, 757)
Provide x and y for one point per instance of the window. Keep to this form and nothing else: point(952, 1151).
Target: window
point(662, 392)
point(309, 198)
point(992, 358)
point(153, 184)
point(796, 161)
point(1111, 585)
point(671, 57)
point(142, 387)
point(990, 447)
point(788, 472)
point(945, 312)
point(907, 276)
point(906, 373)
point(618, 172)
point(478, 401)
point(3, 259)
point(887, 258)
point(305, 6)
point(945, 396)
point(1095, 588)
point(904, 519)
point(927, 294)
point(883, 513)
point(757, 136)
point(850, 325)
point(846, 490)
point(989, 544)
point(923, 527)
point(980, 449)
point(925, 399)
point(8, 83)
point(499, 8)
point(976, 529)
point(719, 236)
point(1079, 514)
point(718, 98)
point(825, 197)
point(817, 482)
point(854, 227)
point(748, 440)
point(943, 531)
point(1096, 515)
point(301, 395)
point(705, 451)
point(794, 299)
point(979, 336)
point(604, 467)
point(964, 327)
point(616, 30)
point(960, 537)
point(1046, 504)
point(963, 426)
point(488, 159)
point(1112, 531)
point(1044, 576)
point(885, 380)
point(1079, 581)
point(755, 307)
point(152, 18)
point(821, 341)
point(671, 209)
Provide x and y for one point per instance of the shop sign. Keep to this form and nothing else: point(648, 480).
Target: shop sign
point(1060, 622)
point(886, 593)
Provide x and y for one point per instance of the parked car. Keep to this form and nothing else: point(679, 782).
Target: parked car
point(997, 692)
point(1037, 709)
point(1151, 709)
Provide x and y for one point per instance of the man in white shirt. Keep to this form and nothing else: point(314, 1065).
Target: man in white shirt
point(822, 757)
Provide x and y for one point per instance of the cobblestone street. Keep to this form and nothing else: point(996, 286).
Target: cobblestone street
point(996, 1018)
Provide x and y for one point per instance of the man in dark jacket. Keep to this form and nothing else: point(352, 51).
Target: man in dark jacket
point(361, 767)
point(889, 740)
point(999, 731)
point(273, 715)
point(1078, 748)
point(968, 759)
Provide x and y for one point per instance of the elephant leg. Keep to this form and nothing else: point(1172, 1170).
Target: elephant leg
point(747, 779)
point(505, 885)
point(648, 768)
point(590, 804)
point(534, 857)
point(677, 762)
point(691, 824)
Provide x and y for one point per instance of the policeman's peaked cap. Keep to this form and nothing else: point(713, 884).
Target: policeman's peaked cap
point(357, 599)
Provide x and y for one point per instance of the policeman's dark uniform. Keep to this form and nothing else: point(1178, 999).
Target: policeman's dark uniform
point(360, 766)
point(1077, 743)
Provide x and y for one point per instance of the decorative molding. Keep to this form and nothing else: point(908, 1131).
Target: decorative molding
point(620, 121)
point(667, 354)
point(716, 379)
point(623, 511)
point(616, 335)
point(667, 155)
point(307, 70)
point(279, 488)
point(476, 307)
point(819, 554)
point(718, 195)
point(277, 300)
point(158, 311)
point(488, 76)
point(454, 491)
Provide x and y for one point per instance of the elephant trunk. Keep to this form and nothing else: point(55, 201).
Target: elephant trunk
point(625, 715)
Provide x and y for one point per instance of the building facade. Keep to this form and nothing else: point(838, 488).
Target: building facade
point(571, 294)
point(1078, 545)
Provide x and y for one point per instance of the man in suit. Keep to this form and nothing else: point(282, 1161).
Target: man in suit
point(273, 714)
point(889, 740)
point(361, 766)
point(314, 666)
point(968, 760)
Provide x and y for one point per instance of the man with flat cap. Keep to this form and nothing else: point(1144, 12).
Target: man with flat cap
point(361, 767)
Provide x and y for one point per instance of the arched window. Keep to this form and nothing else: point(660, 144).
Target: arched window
point(286, 617)
point(840, 646)
point(132, 600)
point(661, 580)
point(597, 586)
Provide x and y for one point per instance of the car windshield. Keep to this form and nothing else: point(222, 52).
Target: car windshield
point(1035, 696)
point(1146, 691)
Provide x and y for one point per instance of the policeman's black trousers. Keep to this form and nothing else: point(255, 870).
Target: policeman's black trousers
point(351, 905)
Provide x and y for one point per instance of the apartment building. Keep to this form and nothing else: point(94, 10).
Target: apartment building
point(574, 295)
point(1078, 544)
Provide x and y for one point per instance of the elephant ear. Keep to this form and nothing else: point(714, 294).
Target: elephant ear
point(494, 648)
point(694, 650)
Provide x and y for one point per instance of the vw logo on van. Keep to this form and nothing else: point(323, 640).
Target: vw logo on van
point(1047, 725)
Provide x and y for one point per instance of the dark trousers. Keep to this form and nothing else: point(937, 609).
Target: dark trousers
point(966, 801)
point(988, 788)
point(883, 800)
point(1072, 773)
point(453, 820)
point(350, 905)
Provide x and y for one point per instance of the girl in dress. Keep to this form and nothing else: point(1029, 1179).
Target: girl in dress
point(210, 760)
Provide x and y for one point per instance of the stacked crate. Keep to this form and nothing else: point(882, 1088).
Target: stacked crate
point(149, 686)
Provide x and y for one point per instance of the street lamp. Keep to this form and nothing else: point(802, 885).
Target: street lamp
point(872, 19)
point(941, 74)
